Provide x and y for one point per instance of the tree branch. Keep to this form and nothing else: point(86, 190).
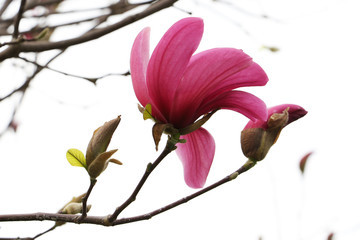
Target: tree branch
point(33, 4)
point(24, 86)
point(84, 200)
point(18, 18)
point(248, 165)
point(90, 79)
point(40, 46)
point(4, 7)
point(170, 146)
point(105, 220)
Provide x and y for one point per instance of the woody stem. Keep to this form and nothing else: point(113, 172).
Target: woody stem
point(84, 200)
point(170, 146)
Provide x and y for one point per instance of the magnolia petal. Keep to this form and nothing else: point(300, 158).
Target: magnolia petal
point(250, 76)
point(206, 73)
point(138, 64)
point(295, 112)
point(238, 101)
point(169, 60)
point(196, 156)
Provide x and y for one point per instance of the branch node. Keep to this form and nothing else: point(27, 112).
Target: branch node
point(107, 220)
point(234, 175)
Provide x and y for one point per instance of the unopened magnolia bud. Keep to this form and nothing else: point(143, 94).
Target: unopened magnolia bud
point(278, 120)
point(77, 199)
point(75, 208)
point(100, 163)
point(258, 136)
point(256, 143)
point(101, 139)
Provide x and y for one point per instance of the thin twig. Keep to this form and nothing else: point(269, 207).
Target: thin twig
point(40, 46)
point(49, 230)
point(18, 18)
point(150, 168)
point(4, 7)
point(42, 3)
point(84, 200)
point(24, 86)
point(112, 10)
point(90, 79)
point(248, 165)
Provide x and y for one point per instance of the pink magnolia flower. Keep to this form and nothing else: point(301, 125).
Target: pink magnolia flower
point(181, 87)
point(258, 136)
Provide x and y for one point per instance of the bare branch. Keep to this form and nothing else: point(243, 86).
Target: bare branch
point(18, 18)
point(24, 86)
point(150, 168)
point(4, 7)
point(90, 79)
point(248, 165)
point(85, 198)
point(12, 123)
point(37, 3)
point(113, 10)
point(39, 46)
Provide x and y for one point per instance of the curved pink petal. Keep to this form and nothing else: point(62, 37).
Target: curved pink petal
point(139, 59)
point(250, 76)
point(169, 60)
point(295, 112)
point(196, 156)
point(238, 101)
point(205, 74)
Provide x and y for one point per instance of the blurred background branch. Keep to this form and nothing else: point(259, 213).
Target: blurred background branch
point(29, 30)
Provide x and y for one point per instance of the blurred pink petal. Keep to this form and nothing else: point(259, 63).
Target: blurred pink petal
point(196, 156)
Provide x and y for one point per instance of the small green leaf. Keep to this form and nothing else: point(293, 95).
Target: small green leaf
point(147, 112)
point(76, 158)
point(42, 34)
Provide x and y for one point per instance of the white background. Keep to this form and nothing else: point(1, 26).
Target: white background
point(316, 67)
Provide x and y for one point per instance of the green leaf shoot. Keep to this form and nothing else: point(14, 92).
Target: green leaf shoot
point(147, 114)
point(76, 158)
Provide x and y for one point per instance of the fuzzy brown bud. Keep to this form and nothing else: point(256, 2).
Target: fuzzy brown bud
point(100, 140)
